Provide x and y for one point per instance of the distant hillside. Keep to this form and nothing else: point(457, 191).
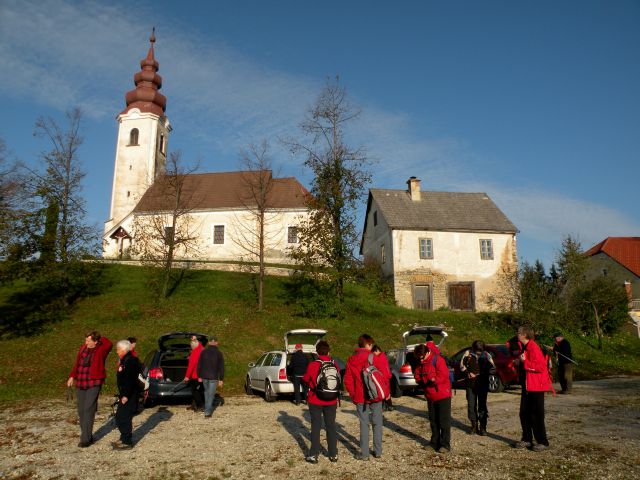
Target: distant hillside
point(221, 303)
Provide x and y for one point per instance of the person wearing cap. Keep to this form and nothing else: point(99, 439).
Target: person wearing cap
point(297, 368)
point(562, 349)
point(211, 372)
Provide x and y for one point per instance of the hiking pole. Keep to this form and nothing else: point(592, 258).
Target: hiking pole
point(563, 356)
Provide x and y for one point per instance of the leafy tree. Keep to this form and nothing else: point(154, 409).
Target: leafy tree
point(340, 175)
point(601, 306)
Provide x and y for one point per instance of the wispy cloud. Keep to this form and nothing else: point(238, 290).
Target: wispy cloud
point(62, 54)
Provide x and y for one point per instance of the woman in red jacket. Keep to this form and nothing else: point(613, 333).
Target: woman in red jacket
point(319, 409)
point(433, 375)
point(536, 383)
point(191, 376)
point(89, 373)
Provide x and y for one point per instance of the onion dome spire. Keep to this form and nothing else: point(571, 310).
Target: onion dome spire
point(145, 96)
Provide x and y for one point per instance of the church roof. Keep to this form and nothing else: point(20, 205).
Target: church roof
point(624, 250)
point(146, 97)
point(219, 191)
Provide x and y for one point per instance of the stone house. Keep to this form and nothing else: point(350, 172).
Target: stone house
point(619, 258)
point(218, 206)
point(438, 249)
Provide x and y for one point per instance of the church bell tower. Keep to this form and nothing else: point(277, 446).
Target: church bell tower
point(143, 134)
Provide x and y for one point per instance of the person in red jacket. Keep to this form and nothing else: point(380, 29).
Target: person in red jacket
point(191, 377)
point(368, 412)
point(89, 373)
point(319, 409)
point(536, 383)
point(433, 376)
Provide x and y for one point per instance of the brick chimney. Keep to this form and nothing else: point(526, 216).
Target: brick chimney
point(414, 188)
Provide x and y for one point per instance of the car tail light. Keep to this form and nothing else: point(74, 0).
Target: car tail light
point(282, 374)
point(406, 368)
point(156, 373)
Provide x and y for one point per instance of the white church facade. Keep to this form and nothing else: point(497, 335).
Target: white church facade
point(222, 221)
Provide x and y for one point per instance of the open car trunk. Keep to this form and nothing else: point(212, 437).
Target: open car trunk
point(307, 337)
point(174, 364)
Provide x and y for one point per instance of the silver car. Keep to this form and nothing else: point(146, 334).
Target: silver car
point(402, 361)
point(268, 374)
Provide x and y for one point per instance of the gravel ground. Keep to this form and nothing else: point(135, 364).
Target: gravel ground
point(594, 433)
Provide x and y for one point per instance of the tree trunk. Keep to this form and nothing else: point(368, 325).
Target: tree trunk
point(598, 330)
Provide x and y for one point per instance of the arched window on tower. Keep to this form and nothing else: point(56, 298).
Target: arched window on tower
point(133, 137)
point(162, 144)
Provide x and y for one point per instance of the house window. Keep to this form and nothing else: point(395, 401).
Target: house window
point(426, 248)
point(218, 234)
point(383, 257)
point(292, 235)
point(162, 144)
point(486, 249)
point(168, 235)
point(604, 272)
point(375, 218)
point(133, 137)
point(128, 193)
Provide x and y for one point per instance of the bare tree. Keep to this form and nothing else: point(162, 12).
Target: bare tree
point(10, 195)
point(168, 230)
point(254, 230)
point(341, 174)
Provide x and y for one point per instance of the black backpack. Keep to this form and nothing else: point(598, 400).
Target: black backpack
point(327, 381)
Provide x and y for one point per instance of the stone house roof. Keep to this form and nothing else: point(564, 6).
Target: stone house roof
point(441, 211)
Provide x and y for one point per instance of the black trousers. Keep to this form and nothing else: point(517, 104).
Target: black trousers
point(532, 417)
point(440, 421)
point(565, 376)
point(297, 386)
point(317, 413)
point(124, 417)
point(477, 405)
point(197, 393)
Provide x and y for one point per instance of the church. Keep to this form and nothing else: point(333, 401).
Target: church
point(216, 208)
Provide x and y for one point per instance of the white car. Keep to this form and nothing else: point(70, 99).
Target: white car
point(268, 374)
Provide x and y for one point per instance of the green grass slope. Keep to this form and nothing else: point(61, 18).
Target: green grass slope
point(222, 303)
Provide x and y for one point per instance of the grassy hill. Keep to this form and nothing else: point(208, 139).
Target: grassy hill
point(221, 303)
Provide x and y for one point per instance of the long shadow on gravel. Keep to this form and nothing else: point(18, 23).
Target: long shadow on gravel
point(161, 415)
point(295, 428)
point(454, 423)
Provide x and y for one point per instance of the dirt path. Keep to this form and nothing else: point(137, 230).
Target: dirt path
point(594, 434)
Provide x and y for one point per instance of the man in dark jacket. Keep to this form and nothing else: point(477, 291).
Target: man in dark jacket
point(211, 371)
point(128, 388)
point(297, 368)
point(562, 349)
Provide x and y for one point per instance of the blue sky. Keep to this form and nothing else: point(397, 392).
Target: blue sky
point(535, 103)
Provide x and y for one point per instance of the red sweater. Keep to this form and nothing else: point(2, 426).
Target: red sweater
point(535, 366)
point(310, 377)
point(192, 368)
point(97, 371)
point(353, 373)
point(434, 380)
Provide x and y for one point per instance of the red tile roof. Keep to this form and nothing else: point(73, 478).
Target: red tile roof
point(205, 191)
point(624, 250)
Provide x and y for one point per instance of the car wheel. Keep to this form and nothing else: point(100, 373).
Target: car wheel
point(269, 394)
point(247, 386)
point(495, 384)
point(396, 391)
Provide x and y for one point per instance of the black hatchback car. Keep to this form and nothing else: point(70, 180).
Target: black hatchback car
point(165, 368)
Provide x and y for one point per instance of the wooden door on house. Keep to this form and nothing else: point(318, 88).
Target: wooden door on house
point(461, 296)
point(422, 297)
